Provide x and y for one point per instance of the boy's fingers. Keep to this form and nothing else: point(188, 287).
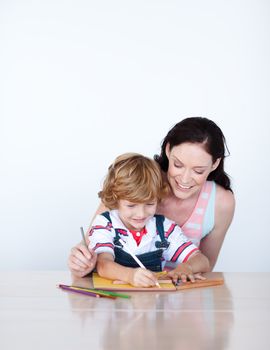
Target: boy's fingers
point(145, 278)
point(147, 282)
point(151, 278)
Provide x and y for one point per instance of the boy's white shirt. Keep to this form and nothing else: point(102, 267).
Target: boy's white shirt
point(147, 244)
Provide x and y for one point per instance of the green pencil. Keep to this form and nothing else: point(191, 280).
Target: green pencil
point(115, 294)
point(102, 292)
point(86, 291)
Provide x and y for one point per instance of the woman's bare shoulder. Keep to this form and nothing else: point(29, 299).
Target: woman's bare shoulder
point(225, 201)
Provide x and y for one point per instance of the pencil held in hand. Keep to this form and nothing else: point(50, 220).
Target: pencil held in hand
point(135, 257)
point(83, 237)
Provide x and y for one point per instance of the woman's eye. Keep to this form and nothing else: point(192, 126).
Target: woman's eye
point(177, 165)
point(199, 172)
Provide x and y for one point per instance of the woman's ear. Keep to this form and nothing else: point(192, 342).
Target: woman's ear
point(216, 164)
point(167, 150)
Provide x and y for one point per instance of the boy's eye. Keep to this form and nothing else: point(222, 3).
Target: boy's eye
point(151, 204)
point(130, 205)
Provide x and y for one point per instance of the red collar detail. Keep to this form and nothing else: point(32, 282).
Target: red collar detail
point(138, 235)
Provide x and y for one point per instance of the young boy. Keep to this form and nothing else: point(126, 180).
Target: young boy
point(131, 190)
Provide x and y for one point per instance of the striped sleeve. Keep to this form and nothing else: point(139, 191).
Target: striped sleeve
point(180, 248)
point(101, 236)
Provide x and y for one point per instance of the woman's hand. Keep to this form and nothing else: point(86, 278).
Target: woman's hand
point(81, 260)
point(184, 273)
point(140, 277)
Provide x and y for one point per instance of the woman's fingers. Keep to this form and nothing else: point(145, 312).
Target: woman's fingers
point(184, 277)
point(81, 260)
point(198, 276)
point(81, 250)
point(82, 255)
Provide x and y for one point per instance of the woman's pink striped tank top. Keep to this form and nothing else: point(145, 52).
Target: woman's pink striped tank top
point(194, 226)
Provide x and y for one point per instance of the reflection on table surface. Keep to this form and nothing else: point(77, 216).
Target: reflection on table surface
point(35, 313)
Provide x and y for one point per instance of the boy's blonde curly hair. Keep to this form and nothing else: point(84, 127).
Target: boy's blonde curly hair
point(135, 178)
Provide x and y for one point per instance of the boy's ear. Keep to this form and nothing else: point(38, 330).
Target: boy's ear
point(216, 164)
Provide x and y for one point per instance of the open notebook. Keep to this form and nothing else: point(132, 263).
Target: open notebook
point(212, 279)
point(106, 284)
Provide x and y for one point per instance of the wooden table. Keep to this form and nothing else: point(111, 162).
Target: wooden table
point(34, 314)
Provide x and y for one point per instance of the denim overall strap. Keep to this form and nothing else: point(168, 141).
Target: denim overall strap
point(106, 214)
point(164, 244)
point(151, 260)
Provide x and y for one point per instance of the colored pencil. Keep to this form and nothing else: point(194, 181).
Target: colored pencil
point(100, 293)
point(83, 237)
point(90, 294)
point(116, 294)
point(135, 257)
point(104, 293)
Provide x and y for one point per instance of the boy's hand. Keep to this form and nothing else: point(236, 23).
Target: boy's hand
point(142, 278)
point(81, 260)
point(184, 273)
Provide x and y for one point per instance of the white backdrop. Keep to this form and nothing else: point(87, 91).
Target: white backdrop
point(83, 81)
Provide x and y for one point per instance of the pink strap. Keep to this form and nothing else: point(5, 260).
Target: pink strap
point(194, 225)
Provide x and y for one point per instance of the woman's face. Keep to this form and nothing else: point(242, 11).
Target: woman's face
point(189, 167)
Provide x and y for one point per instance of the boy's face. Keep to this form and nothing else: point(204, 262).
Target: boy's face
point(135, 215)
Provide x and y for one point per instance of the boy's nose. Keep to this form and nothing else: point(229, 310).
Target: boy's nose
point(140, 213)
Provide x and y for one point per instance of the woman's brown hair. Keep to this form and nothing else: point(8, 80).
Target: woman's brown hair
point(201, 131)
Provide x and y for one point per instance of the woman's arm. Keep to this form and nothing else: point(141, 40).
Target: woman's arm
point(101, 208)
point(224, 210)
point(81, 260)
point(138, 277)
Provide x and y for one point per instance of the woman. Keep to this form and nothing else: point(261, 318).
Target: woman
point(201, 201)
